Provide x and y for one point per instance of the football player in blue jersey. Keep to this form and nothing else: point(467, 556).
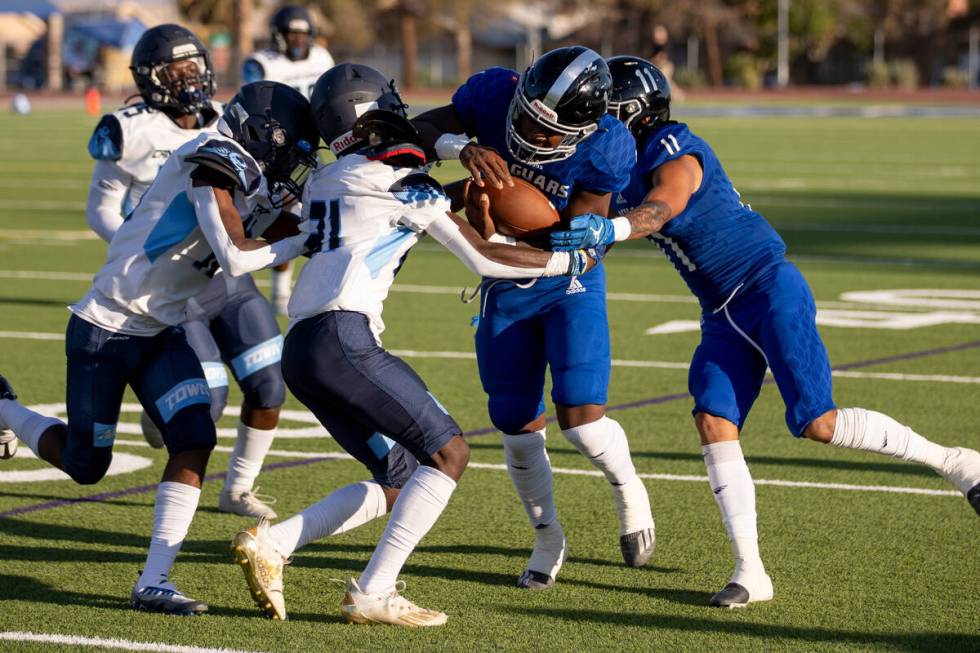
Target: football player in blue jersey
point(757, 312)
point(549, 126)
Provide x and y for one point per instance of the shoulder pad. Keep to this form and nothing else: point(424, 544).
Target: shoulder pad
point(106, 143)
point(252, 71)
point(418, 188)
point(226, 158)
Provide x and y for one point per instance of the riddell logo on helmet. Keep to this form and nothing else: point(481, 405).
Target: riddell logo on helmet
point(184, 49)
point(544, 110)
point(342, 142)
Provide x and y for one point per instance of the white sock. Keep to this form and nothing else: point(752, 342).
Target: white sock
point(604, 443)
point(735, 495)
point(281, 282)
point(251, 446)
point(857, 428)
point(416, 510)
point(530, 472)
point(172, 515)
point(339, 512)
point(26, 424)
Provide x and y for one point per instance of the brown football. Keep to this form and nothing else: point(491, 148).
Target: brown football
point(521, 210)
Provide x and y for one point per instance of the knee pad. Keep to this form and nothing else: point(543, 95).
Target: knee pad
point(264, 388)
point(89, 469)
point(511, 412)
point(190, 428)
point(219, 399)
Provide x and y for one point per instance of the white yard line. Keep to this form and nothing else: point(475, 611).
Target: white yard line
point(660, 365)
point(41, 275)
point(567, 471)
point(116, 644)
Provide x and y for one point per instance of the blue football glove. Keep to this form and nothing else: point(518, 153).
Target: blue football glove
point(589, 230)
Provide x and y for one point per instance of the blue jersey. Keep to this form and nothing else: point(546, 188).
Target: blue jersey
point(601, 163)
point(718, 243)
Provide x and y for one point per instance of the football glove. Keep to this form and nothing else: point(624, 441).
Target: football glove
point(589, 230)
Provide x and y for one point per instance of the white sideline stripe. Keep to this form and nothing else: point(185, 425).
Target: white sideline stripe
point(285, 453)
point(120, 644)
point(48, 235)
point(660, 365)
point(27, 335)
point(758, 481)
point(456, 290)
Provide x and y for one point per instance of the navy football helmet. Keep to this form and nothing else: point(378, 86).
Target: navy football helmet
point(345, 93)
point(566, 91)
point(640, 95)
point(292, 18)
point(273, 123)
point(160, 88)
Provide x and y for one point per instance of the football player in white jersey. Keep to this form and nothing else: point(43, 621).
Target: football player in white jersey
point(125, 330)
point(296, 60)
point(366, 212)
point(230, 321)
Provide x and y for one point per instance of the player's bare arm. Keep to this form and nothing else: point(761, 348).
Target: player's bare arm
point(584, 202)
point(501, 260)
point(483, 163)
point(231, 219)
point(222, 227)
point(673, 184)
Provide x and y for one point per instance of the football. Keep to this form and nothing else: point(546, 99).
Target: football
point(521, 211)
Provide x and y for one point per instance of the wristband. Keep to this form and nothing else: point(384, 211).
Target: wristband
point(622, 229)
point(558, 265)
point(448, 146)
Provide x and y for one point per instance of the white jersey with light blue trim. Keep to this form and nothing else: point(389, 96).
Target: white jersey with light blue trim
point(139, 139)
point(160, 258)
point(365, 217)
point(276, 67)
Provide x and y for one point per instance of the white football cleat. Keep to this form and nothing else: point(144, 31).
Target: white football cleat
point(247, 504)
point(151, 433)
point(263, 566)
point(962, 469)
point(386, 608)
point(550, 552)
point(744, 588)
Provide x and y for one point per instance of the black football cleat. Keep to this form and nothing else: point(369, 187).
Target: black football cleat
point(637, 547)
point(165, 600)
point(6, 390)
point(738, 595)
point(534, 580)
point(973, 496)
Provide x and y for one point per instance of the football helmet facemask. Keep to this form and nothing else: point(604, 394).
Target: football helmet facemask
point(174, 89)
point(273, 123)
point(564, 92)
point(292, 19)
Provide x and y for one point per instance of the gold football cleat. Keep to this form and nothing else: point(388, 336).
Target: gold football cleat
point(386, 608)
point(263, 568)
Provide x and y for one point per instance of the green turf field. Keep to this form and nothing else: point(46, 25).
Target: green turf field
point(864, 205)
